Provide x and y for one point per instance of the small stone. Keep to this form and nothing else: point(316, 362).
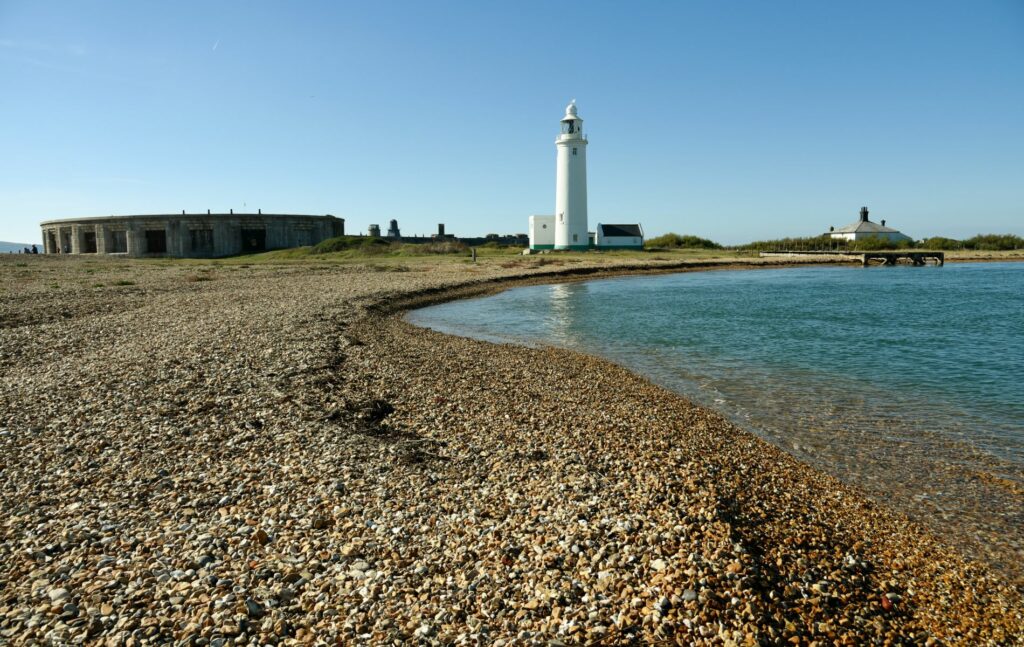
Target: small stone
point(658, 564)
point(56, 595)
point(689, 595)
point(319, 523)
point(254, 609)
point(360, 566)
point(287, 594)
point(262, 537)
point(423, 631)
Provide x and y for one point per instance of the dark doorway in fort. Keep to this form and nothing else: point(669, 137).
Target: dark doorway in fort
point(118, 243)
point(202, 240)
point(89, 242)
point(254, 240)
point(156, 241)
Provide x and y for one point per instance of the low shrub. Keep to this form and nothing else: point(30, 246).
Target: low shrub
point(994, 242)
point(677, 241)
point(795, 244)
point(939, 242)
point(346, 243)
point(446, 247)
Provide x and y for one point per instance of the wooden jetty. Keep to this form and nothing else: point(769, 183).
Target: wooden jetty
point(866, 258)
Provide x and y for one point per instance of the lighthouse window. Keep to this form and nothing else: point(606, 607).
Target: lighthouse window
point(573, 151)
point(572, 127)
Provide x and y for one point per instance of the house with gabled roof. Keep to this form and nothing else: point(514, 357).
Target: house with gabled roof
point(864, 228)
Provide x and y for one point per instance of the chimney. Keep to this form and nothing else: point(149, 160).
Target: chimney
point(440, 230)
point(863, 214)
point(883, 223)
point(259, 211)
point(232, 211)
point(207, 212)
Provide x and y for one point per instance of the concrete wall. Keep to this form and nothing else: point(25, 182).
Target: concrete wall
point(187, 235)
point(894, 236)
point(620, 242)
point(542, 232)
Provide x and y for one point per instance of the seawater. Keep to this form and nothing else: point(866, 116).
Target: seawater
point(905, 382)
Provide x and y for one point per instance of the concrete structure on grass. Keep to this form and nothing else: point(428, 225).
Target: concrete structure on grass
point(187, 235)
point(542, 232)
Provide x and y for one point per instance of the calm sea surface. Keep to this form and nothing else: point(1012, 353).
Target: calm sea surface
point(906, 382)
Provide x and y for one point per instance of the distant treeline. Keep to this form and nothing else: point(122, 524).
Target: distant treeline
point(981, 242)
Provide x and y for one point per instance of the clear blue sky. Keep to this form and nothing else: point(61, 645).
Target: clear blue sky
point(730, 120)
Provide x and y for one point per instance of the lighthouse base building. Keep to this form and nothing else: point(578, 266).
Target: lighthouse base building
point(542, 232)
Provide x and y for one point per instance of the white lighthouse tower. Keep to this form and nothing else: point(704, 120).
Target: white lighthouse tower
point(571, 183)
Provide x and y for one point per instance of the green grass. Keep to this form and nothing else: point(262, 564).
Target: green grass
point(360, 248)
point(378, 254)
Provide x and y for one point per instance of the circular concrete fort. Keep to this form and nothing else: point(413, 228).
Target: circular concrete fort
point(189, 235)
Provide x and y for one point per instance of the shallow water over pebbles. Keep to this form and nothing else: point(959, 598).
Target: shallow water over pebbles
point(906, 382)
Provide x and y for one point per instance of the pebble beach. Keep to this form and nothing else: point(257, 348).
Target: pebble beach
point(229, 453)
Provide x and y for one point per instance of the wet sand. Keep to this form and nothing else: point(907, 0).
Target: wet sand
point(215, 453)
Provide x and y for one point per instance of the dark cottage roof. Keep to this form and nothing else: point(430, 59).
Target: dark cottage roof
point(620, 230)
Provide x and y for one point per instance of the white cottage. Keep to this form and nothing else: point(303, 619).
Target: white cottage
point(864, 228)
point(620, 236)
